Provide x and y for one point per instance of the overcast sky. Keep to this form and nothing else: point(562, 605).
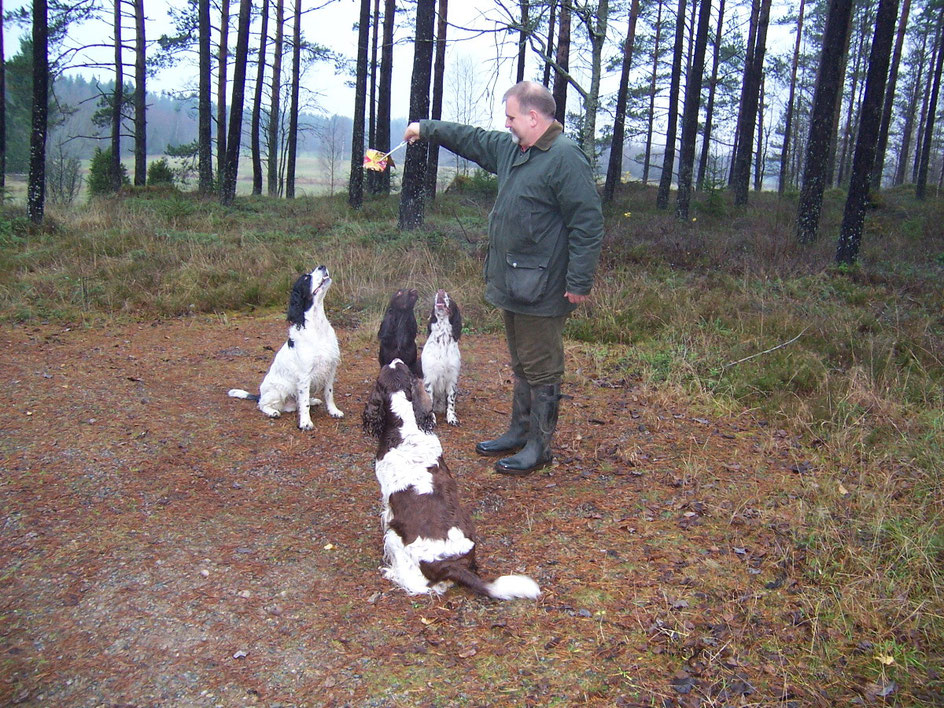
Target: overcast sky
point(333, 26)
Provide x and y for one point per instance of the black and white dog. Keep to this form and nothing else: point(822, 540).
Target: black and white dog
point(441, 359)
point(308, 359)
point(429, 539)
point(397, 334)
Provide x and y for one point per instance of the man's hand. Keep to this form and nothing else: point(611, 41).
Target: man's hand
point(576, 299)
point(412, 133)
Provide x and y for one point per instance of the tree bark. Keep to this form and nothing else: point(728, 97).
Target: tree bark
point(879, 167)
point(383, 92)
point(522, 39)
point(614, 168)
point(919, 140)
point(760, 158)
point(710, 107)
point(788, 117)
point(845, 155)
point(922, 181)
point(668, 158)
point(36, 189)
point(294, 107)
point(3, 112)
point(432, 165)
point(116, 105)
point(853, 218)
point(223, 52)
point(228, 189)
point(652, 94)
point(411, 194)
point(551, 22)
point(821, 119)
point(355, 191)
point(595, 23)
point(690, 112)
point(257, 103)
point(745, 141)
point(205, 118)
point(748, 63)
point(918, 56)
point(563, 61)
point(275, 116)
point(140, 96)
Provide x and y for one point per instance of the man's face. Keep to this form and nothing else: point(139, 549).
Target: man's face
point(518, 122)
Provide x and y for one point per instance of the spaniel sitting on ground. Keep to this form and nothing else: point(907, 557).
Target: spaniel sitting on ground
point(440, 358)
point(308, 359)
point(397, 333)
point(429, 540)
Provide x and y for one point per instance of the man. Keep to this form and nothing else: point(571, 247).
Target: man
point(544, 236)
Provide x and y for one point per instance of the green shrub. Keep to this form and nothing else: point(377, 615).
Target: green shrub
point(160, 173)
point(100, 176)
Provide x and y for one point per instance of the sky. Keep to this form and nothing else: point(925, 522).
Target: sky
point(334, 27)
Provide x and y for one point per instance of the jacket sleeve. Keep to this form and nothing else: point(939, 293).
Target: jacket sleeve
point(582, 213)
point(476, 144)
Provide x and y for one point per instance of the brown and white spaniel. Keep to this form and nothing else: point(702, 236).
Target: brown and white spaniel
point(429, 539)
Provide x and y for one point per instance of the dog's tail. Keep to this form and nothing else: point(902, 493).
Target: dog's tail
point(506, 587)
point(239, 393)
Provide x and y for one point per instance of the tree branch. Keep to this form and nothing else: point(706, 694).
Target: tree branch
point(766, 351)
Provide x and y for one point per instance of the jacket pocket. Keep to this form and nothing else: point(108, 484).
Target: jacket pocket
point(526, 277)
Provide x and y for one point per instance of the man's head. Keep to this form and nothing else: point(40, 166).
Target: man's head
point(529, 111)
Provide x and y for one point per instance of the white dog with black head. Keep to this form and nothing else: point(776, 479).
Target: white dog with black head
point(308, 359)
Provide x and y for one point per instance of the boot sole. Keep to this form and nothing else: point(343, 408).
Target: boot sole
point(515, 472)
point(496, 453)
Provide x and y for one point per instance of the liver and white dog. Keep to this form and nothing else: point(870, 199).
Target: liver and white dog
point(308, 359)
point(397, 333)
point(429, 539)
point(441, 359)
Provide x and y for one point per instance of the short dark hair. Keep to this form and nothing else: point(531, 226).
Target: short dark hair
point(533, 96)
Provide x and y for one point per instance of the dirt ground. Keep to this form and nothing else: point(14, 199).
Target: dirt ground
point(163, 544)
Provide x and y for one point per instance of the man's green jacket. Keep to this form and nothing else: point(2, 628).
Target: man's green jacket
point(545, 230)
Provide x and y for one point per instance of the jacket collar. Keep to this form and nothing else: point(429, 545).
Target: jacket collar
point(546, 140)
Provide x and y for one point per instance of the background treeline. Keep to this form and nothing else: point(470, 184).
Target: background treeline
point(700, 96)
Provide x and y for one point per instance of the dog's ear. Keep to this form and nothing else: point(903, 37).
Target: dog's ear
point(299, 301)
point(455, 319)
point(375, 413)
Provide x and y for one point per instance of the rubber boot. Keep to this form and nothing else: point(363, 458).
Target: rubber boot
point(517, 434)
point(545, 405)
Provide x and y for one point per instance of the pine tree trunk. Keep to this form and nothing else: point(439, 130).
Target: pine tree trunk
point(845, 155)
point(372, 77)
point(563, 61)
point(3, 112)
point(853, 218)
point(788, 117)
point(292, 147)
point(254, 127)
point(752, 77)
point(223, 51)
point(597, 32)
point(116, 105)
point(355, 185)
point(522, 39)
point(922, 181)
point(384, 90)
point(690, 112)
point(36, 189)
point(652, 94)
point(668, 158)
point(759, 159)
point(432, 165)
point(614, 168)
point(231, 170)
point(748, 62)
point(908, 128)
point(879, 167)
point(275, 108)
point(204, 123)
point(140, 97)
point(923, 116)
point(833, 145)
point(821, 119)
point(551, 22)
point(710, 107)
point(414, 170)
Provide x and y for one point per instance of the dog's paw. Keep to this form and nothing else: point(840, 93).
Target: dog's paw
point(336, 413)
point(452, 419)
point(272, 412)
point(305, 425)
point(314, 402)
